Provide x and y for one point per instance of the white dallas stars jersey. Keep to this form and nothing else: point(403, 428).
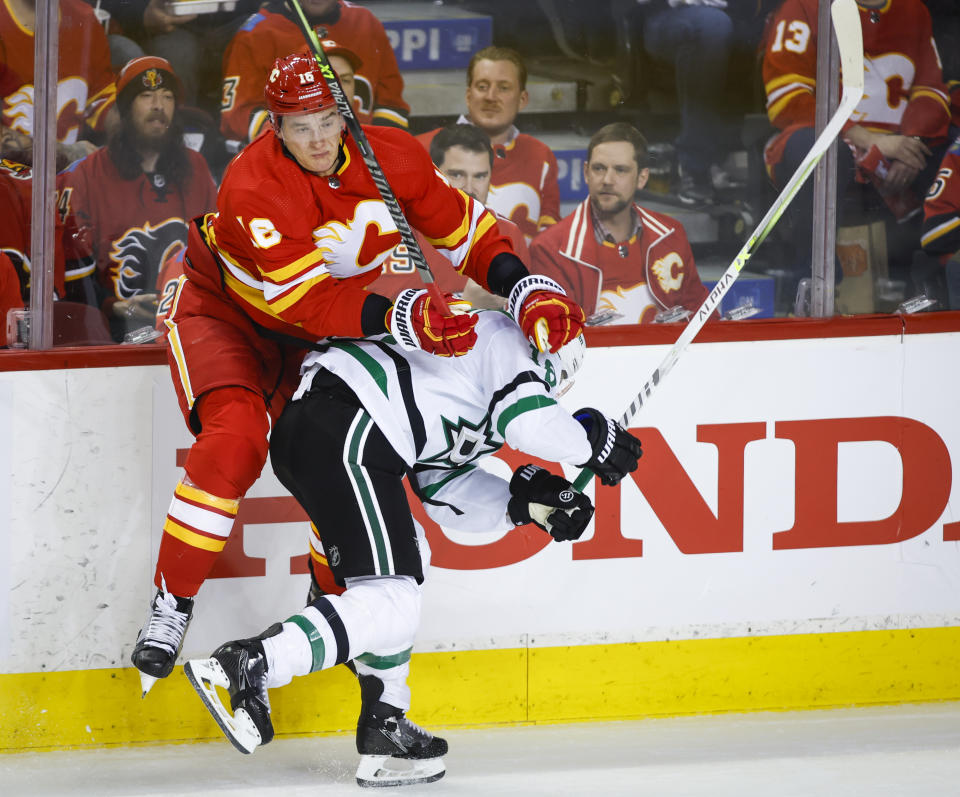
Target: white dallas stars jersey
point(443, 414)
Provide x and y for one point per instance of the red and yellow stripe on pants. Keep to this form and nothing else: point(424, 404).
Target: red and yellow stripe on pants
point(194, 533)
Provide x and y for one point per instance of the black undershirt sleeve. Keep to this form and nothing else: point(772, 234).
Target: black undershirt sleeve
point(506, 270)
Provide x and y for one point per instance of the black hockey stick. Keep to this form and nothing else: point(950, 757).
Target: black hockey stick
point(846, 23)
point(373, 165)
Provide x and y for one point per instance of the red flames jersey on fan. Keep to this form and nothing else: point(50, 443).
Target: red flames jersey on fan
point(9, 294)
point(266, 36)
point(903, 90)
point(134, 224)
point(16, 191)
point(297, 250)
point(86, 83)
point(941, 209)
point(399, 273)
point(523, 186)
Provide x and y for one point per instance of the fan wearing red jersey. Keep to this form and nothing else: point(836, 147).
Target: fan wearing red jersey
point(273, 32)
point(299, 233)
point(85, 89)
point(464, 156)
point(524, 186)
point(896, 134)
point(136, 195)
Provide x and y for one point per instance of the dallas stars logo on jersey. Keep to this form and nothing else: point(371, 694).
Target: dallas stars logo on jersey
point(465, 442)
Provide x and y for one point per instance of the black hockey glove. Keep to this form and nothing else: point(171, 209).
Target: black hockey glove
point(615, 450)
point(550, 501)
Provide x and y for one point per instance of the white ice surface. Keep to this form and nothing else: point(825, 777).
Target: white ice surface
point(907, 751)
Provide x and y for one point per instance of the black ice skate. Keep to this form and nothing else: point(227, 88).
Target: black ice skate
point(240, 667)
point(160, 639)
point(394, 751)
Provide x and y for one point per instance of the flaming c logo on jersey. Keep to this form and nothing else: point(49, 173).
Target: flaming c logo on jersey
point(137, 254)
point(669, 271)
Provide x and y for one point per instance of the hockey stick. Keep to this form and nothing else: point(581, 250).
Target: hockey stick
point(846, 23)
point(345, 107)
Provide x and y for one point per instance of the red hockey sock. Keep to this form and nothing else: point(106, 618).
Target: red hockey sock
point(194, 533)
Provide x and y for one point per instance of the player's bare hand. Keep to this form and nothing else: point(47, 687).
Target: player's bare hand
point(417, 323)
point(157, 19)
point(906, 149)
point(899, 176)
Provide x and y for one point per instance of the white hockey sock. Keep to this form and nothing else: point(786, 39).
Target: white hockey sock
point(288, 654)
point(374, 614)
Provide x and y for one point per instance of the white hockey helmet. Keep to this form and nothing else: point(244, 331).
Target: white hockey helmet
point(569, 359)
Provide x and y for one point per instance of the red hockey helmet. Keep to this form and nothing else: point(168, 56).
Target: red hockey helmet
point(296, 86)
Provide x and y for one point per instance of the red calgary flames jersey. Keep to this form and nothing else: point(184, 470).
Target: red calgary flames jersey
point(399, 273)
point(941, 209)
point(297, 250)
point(70, 263)
point(86, 86)
point(133, 224)
point(266, 36)
point(903, 83)
point(523, 185)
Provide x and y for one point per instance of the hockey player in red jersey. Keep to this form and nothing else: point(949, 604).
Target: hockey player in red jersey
point(896, 134)
point(273, 32)
point(300, 232)
point(524, 186)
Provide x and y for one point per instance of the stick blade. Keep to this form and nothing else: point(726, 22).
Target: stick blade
point(846, 24)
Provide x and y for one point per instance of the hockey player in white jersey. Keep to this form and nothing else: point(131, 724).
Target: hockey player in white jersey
point(368, 412)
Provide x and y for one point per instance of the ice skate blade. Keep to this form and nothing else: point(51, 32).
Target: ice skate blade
point(383, 770)
point(146, 683)
point(205, 676)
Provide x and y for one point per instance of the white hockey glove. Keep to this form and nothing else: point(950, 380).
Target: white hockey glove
point(615, 450)
point(550, 501)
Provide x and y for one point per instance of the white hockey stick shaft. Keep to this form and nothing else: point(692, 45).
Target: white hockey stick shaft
point(846, 23)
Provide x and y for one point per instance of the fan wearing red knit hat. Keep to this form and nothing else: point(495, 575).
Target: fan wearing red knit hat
point(300, 232)
point(133, 198)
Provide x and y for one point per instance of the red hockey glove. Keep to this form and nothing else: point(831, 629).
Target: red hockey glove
point(417, 324)
point(547, 317)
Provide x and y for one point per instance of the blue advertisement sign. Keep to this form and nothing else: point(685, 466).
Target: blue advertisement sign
point(438, 43)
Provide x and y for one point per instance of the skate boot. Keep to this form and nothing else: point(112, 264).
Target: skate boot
point(393, 750)
point(160, 639)
point(240, 667)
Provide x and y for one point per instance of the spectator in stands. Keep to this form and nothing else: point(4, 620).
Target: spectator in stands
point(464, 156)
point(73, 268)
point(610, 254)
point(273, 32)
point(137, 194)
point(699, 40)
point(524, 185)
point(10, 298)
point(85, 89)
point(935, 269)
point(192, 43)
point(896, 135)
